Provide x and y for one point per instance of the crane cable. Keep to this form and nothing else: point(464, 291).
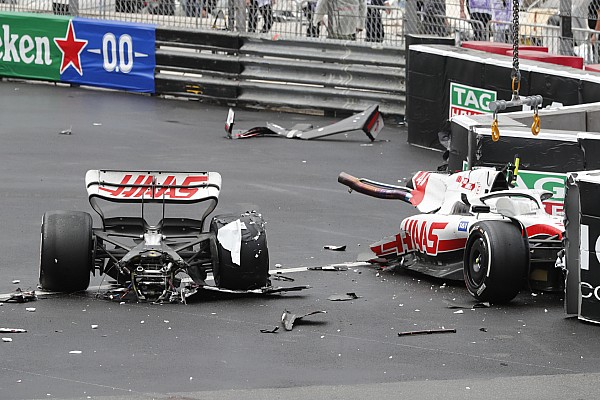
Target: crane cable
point(516, 78)
point(516, 73)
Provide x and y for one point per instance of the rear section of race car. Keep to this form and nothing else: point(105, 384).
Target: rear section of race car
point(466, 230)
point(160, 261)
point(525, 242)
point(509, 239)
point(503, 256)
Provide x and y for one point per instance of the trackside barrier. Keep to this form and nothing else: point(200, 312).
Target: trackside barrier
point(336, 76)
point(582, 258)
point(78, 51)
point(197, 64)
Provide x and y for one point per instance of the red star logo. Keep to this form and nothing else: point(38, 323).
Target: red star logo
point(71, 48)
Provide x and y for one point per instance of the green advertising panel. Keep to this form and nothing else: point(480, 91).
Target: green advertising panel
point(469, 100)
point(27, 47)
point(552, 182)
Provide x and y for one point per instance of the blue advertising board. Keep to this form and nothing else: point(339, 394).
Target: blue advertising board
point(108, 54)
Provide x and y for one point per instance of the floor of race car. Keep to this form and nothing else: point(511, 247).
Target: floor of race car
point(84, 346)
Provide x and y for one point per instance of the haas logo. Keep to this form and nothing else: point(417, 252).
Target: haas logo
point(423, 235)
point(169, 188)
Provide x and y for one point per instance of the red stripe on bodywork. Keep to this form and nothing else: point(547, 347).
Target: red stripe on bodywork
point(452, 244)
point(542, 229)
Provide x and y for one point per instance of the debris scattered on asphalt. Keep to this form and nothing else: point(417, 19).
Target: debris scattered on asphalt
point(427, 332)
point(367, 257)
point(288, 319)
point(30, 309)
point(12, 330)
point(19, 296)
point(334, 248)
point(369, 121)
point(187, 288)
point(343, 297)
point(451, 304)
point(280, 277)
point(260, 291)
point(6, 339)
point(328, 268)
point(274, 330)
point(119, 294)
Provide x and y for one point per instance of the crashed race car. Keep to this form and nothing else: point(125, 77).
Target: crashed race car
point(474, 225)
point(166, 261)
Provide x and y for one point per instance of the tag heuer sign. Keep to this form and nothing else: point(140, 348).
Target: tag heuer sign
point(468, 100)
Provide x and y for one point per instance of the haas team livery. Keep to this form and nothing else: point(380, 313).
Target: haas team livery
point(473, 225)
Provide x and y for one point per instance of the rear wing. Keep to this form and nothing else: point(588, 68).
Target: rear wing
point(153, 187)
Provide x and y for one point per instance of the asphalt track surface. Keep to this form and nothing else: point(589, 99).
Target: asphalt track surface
point(212, 347)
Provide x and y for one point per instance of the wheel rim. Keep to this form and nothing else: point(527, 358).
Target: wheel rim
point(478, 261)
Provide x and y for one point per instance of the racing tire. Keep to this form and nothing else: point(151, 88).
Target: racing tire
point(66, 251)
point(495, 262)
point(253, 269)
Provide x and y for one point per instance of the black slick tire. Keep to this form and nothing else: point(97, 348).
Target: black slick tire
point(66, 251)
point(495, 262)
point(253, 270)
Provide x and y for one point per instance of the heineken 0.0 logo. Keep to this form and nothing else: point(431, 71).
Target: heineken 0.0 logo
point(468, 100)
point(111, 54)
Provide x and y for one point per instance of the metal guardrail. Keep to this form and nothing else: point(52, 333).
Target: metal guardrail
point(301, 74)
point(290, 18)
point(293, 19)
point(206, 52)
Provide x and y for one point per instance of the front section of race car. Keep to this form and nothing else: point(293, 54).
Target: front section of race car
point(163, 261)
point(472, 226)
